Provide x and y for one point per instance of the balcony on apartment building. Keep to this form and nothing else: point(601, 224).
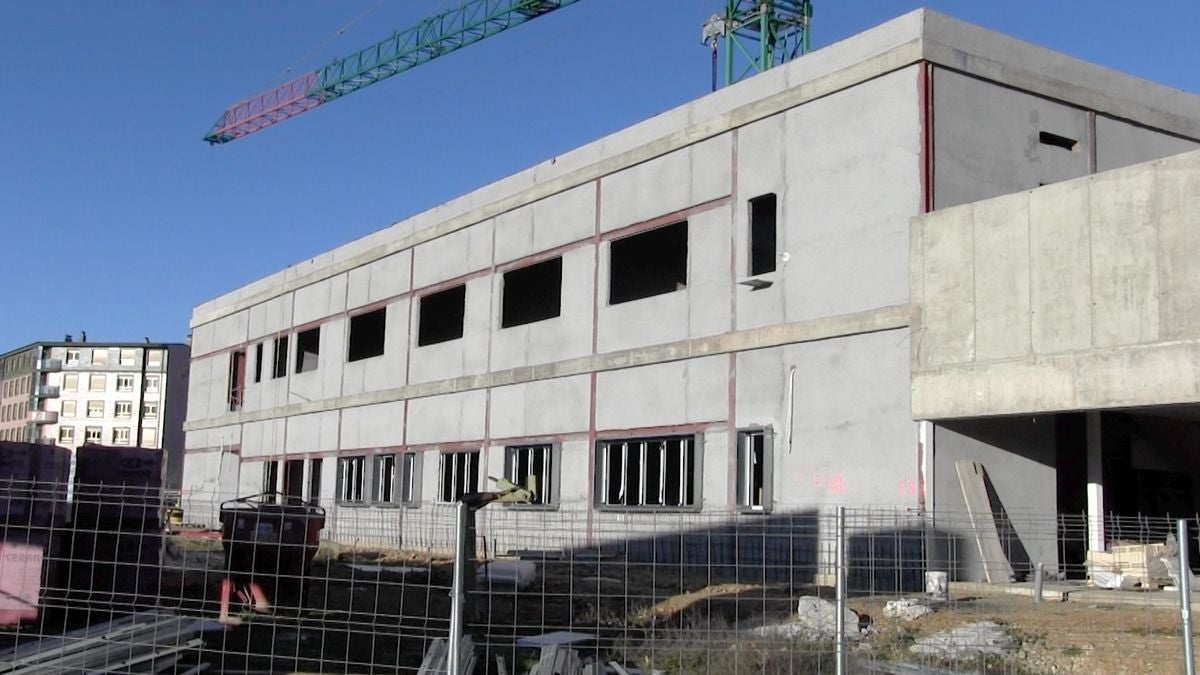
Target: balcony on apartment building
point(49, 365)
point(45, 391)
point(43, 416)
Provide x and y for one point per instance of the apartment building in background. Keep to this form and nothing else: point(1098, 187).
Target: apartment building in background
point(108, 393)
point(744, 304)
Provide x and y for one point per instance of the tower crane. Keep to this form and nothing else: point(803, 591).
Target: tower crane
point(434, 36)
point(756, 34)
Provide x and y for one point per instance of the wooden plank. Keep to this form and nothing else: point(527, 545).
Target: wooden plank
point(971, 477)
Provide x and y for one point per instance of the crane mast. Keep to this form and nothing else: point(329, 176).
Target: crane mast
point(757, 35)
point(434, 36)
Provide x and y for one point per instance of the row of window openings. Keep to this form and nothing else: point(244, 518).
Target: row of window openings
point(118, 436)
point(13, 411)
point(125, 357)
point(121, 409)
point(17, 385)
point(99, 382)
point(631, 473)
point(642, 265)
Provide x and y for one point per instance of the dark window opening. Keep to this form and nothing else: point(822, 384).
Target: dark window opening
point(1047, 138)
point(532, 293)
point(293, 479)
point(410, 479)
point(651, 472)
point(280, 353)
point(314, 479)
point(385, 479)
point(647, 264)
point(366, 335)
point(442, 316)
point(270, 481)
point(754, 472)
point(351, 479)
point(459, 475)
point(237, 380)
point(258, 364)
point(762, 234)
point(532, 466)
point(308, 349)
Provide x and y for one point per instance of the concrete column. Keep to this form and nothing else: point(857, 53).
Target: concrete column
point(1095, 484)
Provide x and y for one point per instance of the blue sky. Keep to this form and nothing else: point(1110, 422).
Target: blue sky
point(115, 218)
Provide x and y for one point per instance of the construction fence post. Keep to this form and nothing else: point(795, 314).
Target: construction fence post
point(840, 571)
point(458, 588)
point(1185, 595)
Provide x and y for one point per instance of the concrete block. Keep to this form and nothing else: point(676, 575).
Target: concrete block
point(314, 432)
point(447, 418)
point(453, 255)
point(541, 408)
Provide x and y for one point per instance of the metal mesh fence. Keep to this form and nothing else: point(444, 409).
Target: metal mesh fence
point(114, 580)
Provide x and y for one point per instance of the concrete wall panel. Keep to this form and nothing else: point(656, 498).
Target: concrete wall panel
point(1060, 268)
point(320, 300)
point(949, 288)
point(546, 224)
point(371, 426)
point(689, 176)
point(661, 395)
point(987, 140)
point(1124, 260)
point(453, 255)
point(270, 317)
point(1002, 280)
point(447, 418)
point(1174, 210)
point(380, 280)
point(542, 408)
point(1119, 143)
point(314, 432)
point(467, 355)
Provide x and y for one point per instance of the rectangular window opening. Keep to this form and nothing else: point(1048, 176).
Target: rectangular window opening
point(533, 466)
point(366, 335)
point(280, 352)
point(650, 472)
point(442, 316)
point(92, 434)
point(410, 479)
point(762, 234)
point(648, 264)
point(385, 479)
point(459, 475)
point(754, 470)
point(258, 362)
point(293, 479)
point(1047, 138)
point(237, 380)
point(314, 479)
point(270, 480)
point(308, 349)
point(532, 293)
point(351, 479)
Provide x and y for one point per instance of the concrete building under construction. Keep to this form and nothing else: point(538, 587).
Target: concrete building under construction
point(828, 284)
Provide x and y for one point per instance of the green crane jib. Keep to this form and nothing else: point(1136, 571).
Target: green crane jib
point(434, 36)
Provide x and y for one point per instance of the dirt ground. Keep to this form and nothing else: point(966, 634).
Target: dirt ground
point(359, 618)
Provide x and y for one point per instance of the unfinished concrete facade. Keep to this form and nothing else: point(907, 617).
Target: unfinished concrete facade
point(704, 312)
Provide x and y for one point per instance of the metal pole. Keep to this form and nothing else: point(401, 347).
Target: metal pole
point(457, 592)
point(1039, 576)
point(1185, 596)
point(841, 590)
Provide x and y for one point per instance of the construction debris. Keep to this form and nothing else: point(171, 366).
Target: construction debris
point(436, 658)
